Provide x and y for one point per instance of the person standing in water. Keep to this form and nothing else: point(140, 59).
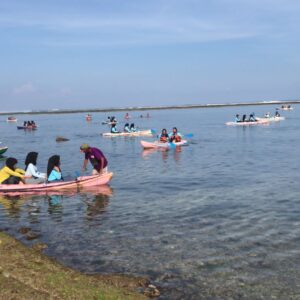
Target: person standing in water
point(96, 157)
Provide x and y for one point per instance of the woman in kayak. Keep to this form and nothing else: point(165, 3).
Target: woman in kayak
point(10, 174)
point(53, 169)
point(175, 136)
point(96, 157)
point(132, 128)
point(31, 170)
point(114, 128)
point(164, 137)
point(126, 128)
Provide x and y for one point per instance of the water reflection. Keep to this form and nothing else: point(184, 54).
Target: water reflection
point(12, 205)
point(165, 153)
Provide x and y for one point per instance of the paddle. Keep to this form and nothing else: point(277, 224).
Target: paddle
point(188, 135)
point(172, 145)
point(153, 131)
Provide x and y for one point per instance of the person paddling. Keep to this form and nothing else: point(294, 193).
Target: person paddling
point(96, 157)
point(175, 136)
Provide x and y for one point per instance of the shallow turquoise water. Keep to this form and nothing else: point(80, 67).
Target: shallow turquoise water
point(217, 219)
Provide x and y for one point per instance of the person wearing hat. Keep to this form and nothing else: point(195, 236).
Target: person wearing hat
point(96, 157)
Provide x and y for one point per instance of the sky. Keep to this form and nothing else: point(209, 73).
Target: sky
point(115, 53)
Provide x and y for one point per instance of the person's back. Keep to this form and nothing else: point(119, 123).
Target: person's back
point(114, 129)
point(126, 128)
point(237, 118)
point(244, 118)
point(132, 128)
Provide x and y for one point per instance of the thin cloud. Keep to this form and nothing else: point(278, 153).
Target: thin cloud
point(26, 88)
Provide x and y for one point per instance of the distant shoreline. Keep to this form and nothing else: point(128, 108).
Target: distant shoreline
point(143, 108)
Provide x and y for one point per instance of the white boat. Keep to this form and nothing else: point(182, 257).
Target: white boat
point(272, 119)
point(147, 132)
point(248, 123)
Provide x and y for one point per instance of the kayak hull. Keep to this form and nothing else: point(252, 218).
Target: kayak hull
point(27, 127)
point(272, 119)
point(159, 145)
point(137, 133)
point(3, 150)
point(259, 122)
point(81, 182)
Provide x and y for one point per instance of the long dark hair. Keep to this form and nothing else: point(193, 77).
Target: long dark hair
point(54, 161)
point(31, 159)
point(11, 162)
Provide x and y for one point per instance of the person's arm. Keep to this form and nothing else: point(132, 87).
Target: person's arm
point(85, 162)
point(101, 164)
point(21, 171)
point(14, 173)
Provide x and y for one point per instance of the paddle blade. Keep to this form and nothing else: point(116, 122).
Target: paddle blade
point(189, 135)
point(153, 131)
point(172, 145)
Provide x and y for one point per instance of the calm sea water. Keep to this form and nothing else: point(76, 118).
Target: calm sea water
point(217, 219)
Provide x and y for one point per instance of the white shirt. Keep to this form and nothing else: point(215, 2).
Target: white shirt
point(32, 171)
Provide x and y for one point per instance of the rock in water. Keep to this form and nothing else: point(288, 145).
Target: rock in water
point(61, 139)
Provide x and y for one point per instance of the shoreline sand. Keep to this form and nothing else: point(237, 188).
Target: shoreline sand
point(26, 273)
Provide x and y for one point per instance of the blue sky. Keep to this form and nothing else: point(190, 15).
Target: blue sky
point(94, 53)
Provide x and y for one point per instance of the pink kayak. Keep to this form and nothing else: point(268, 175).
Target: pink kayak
point(160, 145)
point(82, 181)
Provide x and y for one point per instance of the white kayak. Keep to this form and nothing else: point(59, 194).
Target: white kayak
point(147, 132)
point(272, 119)
point(160, 145)
point(109, 123)
point(248, 123)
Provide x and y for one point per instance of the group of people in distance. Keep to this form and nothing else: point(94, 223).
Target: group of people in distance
point(29, 124)
point(244, 119)
point(173, 137)
point(11, 174)
point(127, 128)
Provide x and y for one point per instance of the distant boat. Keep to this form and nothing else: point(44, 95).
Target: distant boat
point(11, 119)
point(286, 107)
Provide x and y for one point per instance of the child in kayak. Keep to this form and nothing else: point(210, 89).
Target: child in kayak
point(53, 169)
point(114, 128)
point(132, 128)
point(126, 128)
point(164, 137)
point(31, 170)
point(10, 174)
point(175, 136)
point(96, 157)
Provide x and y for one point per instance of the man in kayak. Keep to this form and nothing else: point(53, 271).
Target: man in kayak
point(175, 136)
point(96, 157)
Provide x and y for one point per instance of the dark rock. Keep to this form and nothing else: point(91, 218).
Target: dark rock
point(61, 139)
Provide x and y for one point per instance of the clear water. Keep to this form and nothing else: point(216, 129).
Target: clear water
point(217, 219)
